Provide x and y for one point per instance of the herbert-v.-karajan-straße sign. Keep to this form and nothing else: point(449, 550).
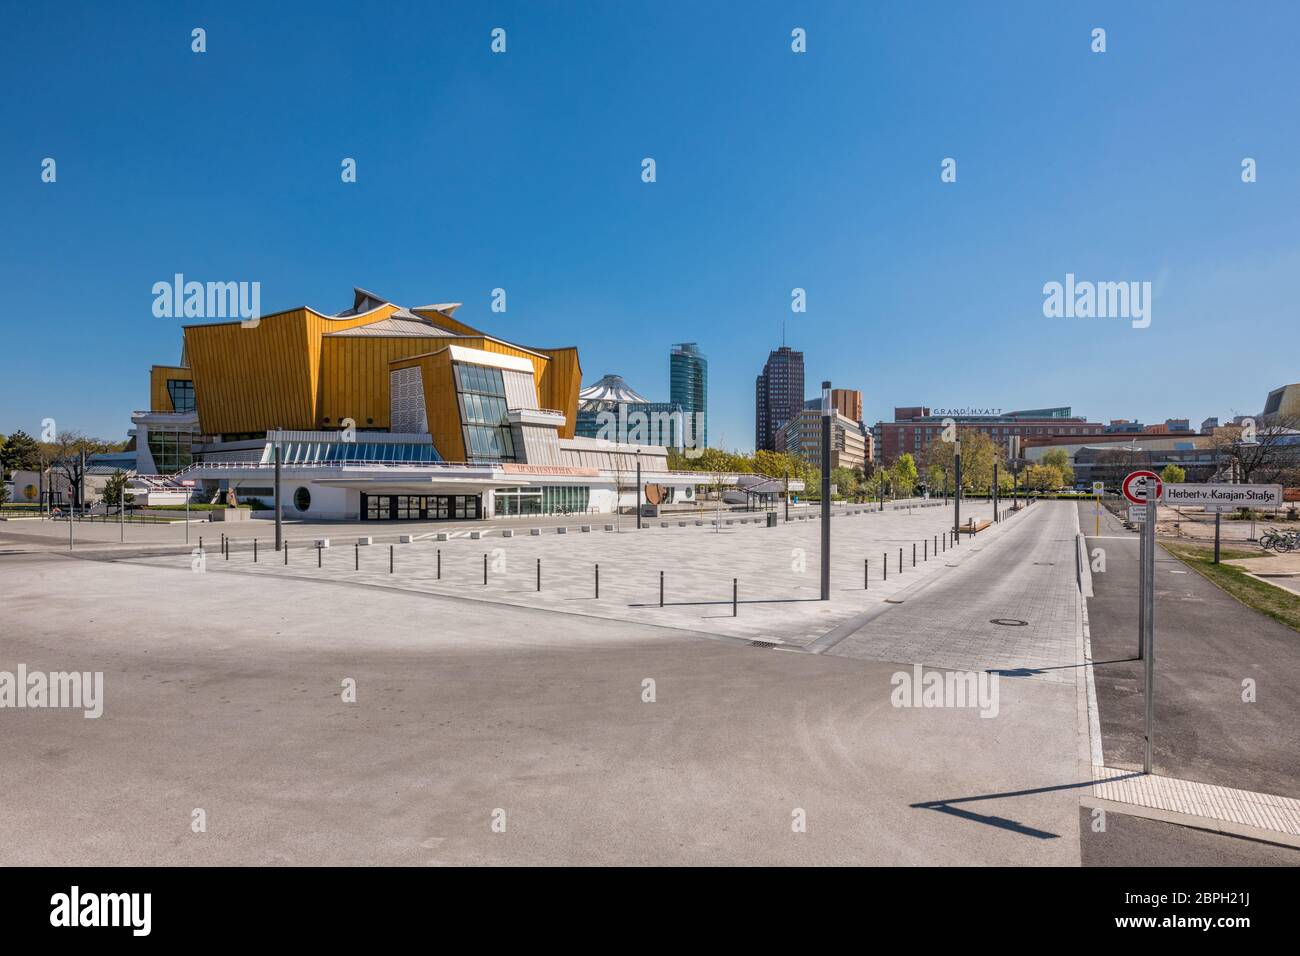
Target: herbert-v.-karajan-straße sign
point(1233, 496)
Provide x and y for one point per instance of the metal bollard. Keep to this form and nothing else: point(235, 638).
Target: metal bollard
point(390, 559)
point(913, 554)
point(925, 550)
point(255, 551)
point(900, 560)
point(661, 589)
point(356, 553)
point(866, 581)
point(440, 564)
point(485, 570)
point(735, 589)
point(597, 580)
point(539, 574)
point(286, 553)
point(884, 564)
point(319, 550)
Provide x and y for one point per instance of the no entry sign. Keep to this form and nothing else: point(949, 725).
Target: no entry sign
point(1142, 486)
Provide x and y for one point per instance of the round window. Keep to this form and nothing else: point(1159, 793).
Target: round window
point(302, 499)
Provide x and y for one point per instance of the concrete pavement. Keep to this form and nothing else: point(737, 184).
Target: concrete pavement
point(225, 696)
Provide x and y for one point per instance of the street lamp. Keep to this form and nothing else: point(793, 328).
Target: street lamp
point(638, 489)
point(826, 491)
point(956, 493)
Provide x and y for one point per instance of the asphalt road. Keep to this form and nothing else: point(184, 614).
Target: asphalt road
point(1207, 644)
point(223, 694)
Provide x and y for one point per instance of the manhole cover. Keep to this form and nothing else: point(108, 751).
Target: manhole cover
point(1008, 622)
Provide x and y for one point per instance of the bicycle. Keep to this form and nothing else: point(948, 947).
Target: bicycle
point(1281, 541)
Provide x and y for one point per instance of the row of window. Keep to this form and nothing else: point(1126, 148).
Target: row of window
point(310, 452)
point(550, 499)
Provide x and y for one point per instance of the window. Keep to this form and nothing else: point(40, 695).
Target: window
point(181, 392)
point(302, 499)
point(483, 413)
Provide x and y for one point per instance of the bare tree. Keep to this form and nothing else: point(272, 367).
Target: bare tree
point(1264, 453)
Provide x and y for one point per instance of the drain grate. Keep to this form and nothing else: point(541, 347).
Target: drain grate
point(761, 644)
point(1008, 622)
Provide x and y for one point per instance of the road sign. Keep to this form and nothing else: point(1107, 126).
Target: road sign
point(1099, 487)
point(1137, 514)
point(1223, 496)
point(1138, 485)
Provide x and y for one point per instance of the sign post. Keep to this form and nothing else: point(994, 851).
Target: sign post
point(1144, 488)
point(1098, 489)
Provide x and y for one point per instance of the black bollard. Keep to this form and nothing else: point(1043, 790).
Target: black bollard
point(661, 589)
point(390, 559)
point(255, 551)
point(485, 570)
point(735, 590)
point(539, 574)
point(866, 585)
point(597, 580)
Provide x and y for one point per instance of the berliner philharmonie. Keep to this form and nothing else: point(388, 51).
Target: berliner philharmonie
point(381, 412)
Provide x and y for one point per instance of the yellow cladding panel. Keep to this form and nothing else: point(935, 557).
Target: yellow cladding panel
point(440, 408)
point(559, 384)
point(160, 400)
point(249, 379)
point(354, 376)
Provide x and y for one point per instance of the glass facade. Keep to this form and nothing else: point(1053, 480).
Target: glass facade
point(551, 499)
point(171, 449)
point(181, 391)
point(689, 388)
point(312, 452)
point(481, 394)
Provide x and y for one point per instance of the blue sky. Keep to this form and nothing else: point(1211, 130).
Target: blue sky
point(775, 170)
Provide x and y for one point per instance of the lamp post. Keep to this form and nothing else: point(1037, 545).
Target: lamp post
point(826, 491)
point(279, 498)
point(956, 492)
point(638, 489)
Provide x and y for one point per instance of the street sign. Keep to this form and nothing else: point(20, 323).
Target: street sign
point(1223, 496)
point(1138, 485)
point(1099, 487)
point(1137, 514)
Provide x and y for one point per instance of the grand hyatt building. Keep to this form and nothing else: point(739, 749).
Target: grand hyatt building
point(382, 412)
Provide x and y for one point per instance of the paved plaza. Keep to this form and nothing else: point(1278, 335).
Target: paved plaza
point(775, 570)
point(607, 730)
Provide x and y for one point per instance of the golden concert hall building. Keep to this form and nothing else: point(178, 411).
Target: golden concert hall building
point(382, 412)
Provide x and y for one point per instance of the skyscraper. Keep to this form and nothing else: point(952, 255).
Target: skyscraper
point(778, 396)
point(689, 387)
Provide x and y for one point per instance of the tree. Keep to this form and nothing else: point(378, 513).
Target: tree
point(115, 493)
point(1043, 477)
point(978, 453)
point(903, 474)
point(19, 452)
point(1258, 452)
point(1173, 475)
point(845, 481)
point(65, 453)
point(1059, 459)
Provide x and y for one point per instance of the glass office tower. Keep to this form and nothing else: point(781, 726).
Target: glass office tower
point(689, 390)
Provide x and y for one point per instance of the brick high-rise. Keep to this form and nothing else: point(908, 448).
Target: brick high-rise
point(778, 396)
